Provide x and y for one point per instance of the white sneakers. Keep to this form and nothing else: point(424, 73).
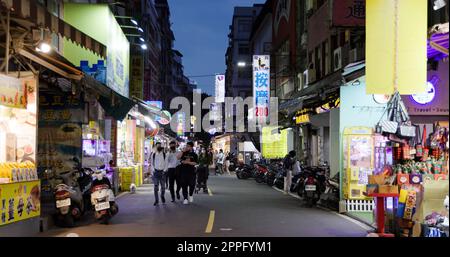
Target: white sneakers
point(191, 199)
point(185, 201)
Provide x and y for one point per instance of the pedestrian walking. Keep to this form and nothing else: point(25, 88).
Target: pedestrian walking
point(189, 160)
point(227, 163)
point(203, 171)
point(159, 169)
point(288, 164)
point(173, 171)
point(219, 162)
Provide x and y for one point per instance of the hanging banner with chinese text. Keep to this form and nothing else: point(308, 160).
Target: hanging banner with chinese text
point(261, 87)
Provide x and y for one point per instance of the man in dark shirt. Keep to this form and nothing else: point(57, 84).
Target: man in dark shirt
point(189, 160)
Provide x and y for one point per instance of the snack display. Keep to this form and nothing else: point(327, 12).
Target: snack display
point(11, 172)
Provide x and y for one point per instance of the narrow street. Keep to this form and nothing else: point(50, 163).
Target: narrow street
point(241, 208)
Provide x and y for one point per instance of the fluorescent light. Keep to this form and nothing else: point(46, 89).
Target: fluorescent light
point(142, 40)
point(140, 29)
point(134, 22)
point(44, 47)
point(241, 64)
point(144, 47)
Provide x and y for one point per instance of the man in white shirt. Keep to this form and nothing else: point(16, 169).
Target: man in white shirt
point(159, 166)
point(173, 173)
point(220, 159)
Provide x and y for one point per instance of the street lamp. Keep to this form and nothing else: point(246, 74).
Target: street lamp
point(43, 47)
point(144, 47)
point(134, 21)
point(241, 64)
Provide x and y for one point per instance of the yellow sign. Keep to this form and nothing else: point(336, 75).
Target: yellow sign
point(396, 46)
point(12, 92)
point(304, 118)
point(19, 201)
point(274, 144)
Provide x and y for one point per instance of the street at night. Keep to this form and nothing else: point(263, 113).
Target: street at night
point(278, 122)
point(241, 208)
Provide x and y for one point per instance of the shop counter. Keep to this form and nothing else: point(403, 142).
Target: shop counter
point(19, 201)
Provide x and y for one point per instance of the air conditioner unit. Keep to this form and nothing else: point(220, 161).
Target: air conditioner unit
point(337, 59)
point(353, 55)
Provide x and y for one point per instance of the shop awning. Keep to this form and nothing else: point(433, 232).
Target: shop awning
point(326, 85)
point(151, 110)
point(114, 104)
point(52, 61)
point(31, 11)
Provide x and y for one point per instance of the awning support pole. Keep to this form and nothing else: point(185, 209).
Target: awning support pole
point(6, 26)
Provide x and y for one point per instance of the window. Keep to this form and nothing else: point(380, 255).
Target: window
point(244, 26)
point(244, 49)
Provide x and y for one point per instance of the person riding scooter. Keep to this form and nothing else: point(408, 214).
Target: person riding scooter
point(102, 197)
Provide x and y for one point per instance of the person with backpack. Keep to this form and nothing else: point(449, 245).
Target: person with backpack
point(159, 166)
point(288, 165)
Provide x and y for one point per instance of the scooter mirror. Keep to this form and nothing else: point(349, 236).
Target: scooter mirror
point(102, 167)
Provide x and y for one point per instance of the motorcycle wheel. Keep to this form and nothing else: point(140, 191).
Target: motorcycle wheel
point(69, 221)
point(105, 219)
point(309, 202)
point(238, 175)
point(259, 180)
point(270, 182)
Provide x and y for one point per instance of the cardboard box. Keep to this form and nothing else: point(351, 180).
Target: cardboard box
point(377, 179)
point(387, 189)
point(372, 188)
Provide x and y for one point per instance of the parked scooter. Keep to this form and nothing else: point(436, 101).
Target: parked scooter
point(331, 196)
point(102, 197)
point(311, 185)
point(69, 202)
point(260, 172)
point(271, 175)
point(279, 179)
point(244, 171)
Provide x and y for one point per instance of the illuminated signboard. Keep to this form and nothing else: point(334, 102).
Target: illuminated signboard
point(274, 143)
point(261, 86)
point(426, 97)
point(220, 88)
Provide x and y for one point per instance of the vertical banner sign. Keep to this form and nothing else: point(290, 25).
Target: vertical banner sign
point(261, 87)
point(220, 88)
point(396, 46)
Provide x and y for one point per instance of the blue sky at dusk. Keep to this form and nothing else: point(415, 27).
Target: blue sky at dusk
point(201, 35)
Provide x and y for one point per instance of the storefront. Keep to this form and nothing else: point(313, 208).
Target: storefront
point(19, 183)
point(409, 170)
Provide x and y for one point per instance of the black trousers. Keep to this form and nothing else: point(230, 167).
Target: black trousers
point(202, 176)
point(187, 179)
point(173, 177)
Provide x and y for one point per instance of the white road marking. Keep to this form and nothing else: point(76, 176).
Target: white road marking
point(226, 229)
point(72, 235)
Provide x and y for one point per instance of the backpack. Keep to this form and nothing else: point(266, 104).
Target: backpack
point(153, 157)
point(287, 163)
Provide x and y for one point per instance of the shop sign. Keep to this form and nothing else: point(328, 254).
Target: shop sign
point(349, 13)
point(19, 201)
point(274, 143)
point(180, 127)
point(164, 121)
point(283, 10)
point(261, 87)
point(304, 118)
point(220, 88)
point(12, 92)
point(328, 106)
point(426, 97)
point(58, 107)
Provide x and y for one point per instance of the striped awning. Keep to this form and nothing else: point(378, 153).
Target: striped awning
point(38, 15)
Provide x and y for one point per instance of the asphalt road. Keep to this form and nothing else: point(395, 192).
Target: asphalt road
point(232, 208)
